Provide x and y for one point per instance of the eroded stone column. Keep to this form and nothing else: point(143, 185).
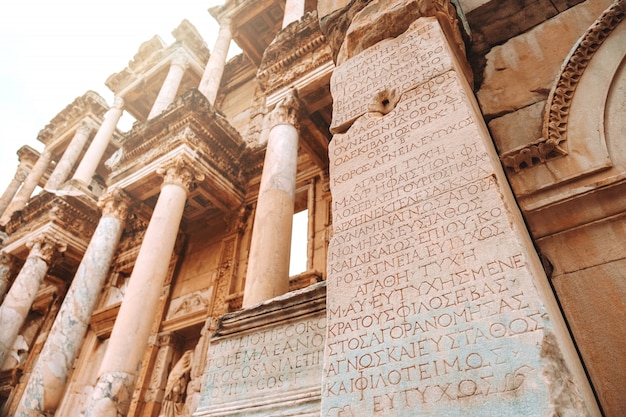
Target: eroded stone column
point(167, 94)
point(7, 268)
point(130, 334)
point(27, 158)
point(48, 377)
point(88, 165)
point(268, 265)
point(20, 297)
point(437, 302)
point(70, 156)
point(212, 76)
point(294, 10)
point(29, 185)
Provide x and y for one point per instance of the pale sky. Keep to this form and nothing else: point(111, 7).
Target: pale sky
point(54, 51)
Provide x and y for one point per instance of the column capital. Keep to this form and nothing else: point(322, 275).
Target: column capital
point(116, 203)
point(180, 171)
point(7, 260)
point(180, 59)
point(46, 248)
point(85, 126)
point(21, 173)
point(287, 111)
point(118, 103)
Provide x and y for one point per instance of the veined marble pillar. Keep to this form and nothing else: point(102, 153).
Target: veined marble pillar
point(167, 94)
point(7, 266)
point(129, 337)
point(29, 185)
point(70, 156)
point(27, 161)
point(98, 146)
point(268, 266)
point(294, 10)
point(20, 298)
point(49, 376)
point(212, 76)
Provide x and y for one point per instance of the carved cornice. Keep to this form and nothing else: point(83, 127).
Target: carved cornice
point(27, 155)
point(556, 118)
point(143, 58)
point(187, 34)
point(75, 215)
point(90, 102)
point(297, 49)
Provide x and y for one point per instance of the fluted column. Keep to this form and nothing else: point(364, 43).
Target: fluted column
point(27, 158)
point(212, 76)
point(88, 165)
point(49, 375)
point(268, 266)
point(29, 185)
point(20, 298)
point(129, 337)
point(294, 10)
point(168, 91)
point(70, 156)
point(7, 267)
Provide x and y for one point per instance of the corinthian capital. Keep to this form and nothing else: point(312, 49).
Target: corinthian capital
point(180, 171)
point(180, 59)
point(46, 248)
point(115, 202)
point(287, 111)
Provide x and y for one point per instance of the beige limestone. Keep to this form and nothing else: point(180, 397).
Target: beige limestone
point(28, 158)
point(430, 259)
point(70, 156)
point(210, 83)
point(168, 90)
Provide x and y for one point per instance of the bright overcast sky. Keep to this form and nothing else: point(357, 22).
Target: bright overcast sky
point(54, 51)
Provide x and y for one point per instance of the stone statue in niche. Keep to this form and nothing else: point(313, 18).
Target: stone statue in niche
point(176, 387)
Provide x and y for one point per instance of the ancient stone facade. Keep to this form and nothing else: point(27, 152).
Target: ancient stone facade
point(460, 167)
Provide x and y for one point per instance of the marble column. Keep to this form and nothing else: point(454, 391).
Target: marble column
point(168, 91)
point(129, 338)
point(268, 266)
point(7, 268)
point(27, 158)
point(29, 185)
point(212, 76)
point(48, 378)
point(294, 10)
point(70, 156)
point(88, 165)
point(20, 298)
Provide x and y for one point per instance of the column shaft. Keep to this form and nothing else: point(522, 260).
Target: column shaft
point(20, 175)
point(98, 146)
point(7, 264)
point(294, 10)
point(20, 298)
point(268, 266)
point(168, 91)
point(70, 156)
point(212, 76)
point(29, 185)
point(130, 334)
point(48, 378)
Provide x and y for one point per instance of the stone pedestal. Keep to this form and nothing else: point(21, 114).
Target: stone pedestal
point(437, 302)
point(267, 360)
point(98, 146)
point(130, 334)
point(70, 156)
point(268, 266)
point(18, 301)
point(168, 90)
point(212, 76)
point(48, 377)
point(29, 185)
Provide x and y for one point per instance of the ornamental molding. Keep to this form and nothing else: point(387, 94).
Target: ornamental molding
point(553, 142)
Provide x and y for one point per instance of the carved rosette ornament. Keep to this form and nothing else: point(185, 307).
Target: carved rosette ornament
point(180, 172)
point(46, 248)
point(115, 203)
point(287, 111)
point(556, 117)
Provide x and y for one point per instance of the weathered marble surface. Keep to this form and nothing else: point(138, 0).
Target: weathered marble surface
point(268, 359)
point(437, 304)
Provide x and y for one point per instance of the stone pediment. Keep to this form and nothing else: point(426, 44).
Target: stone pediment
point(90, 103)
point(190, 126)
point(298, 50)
